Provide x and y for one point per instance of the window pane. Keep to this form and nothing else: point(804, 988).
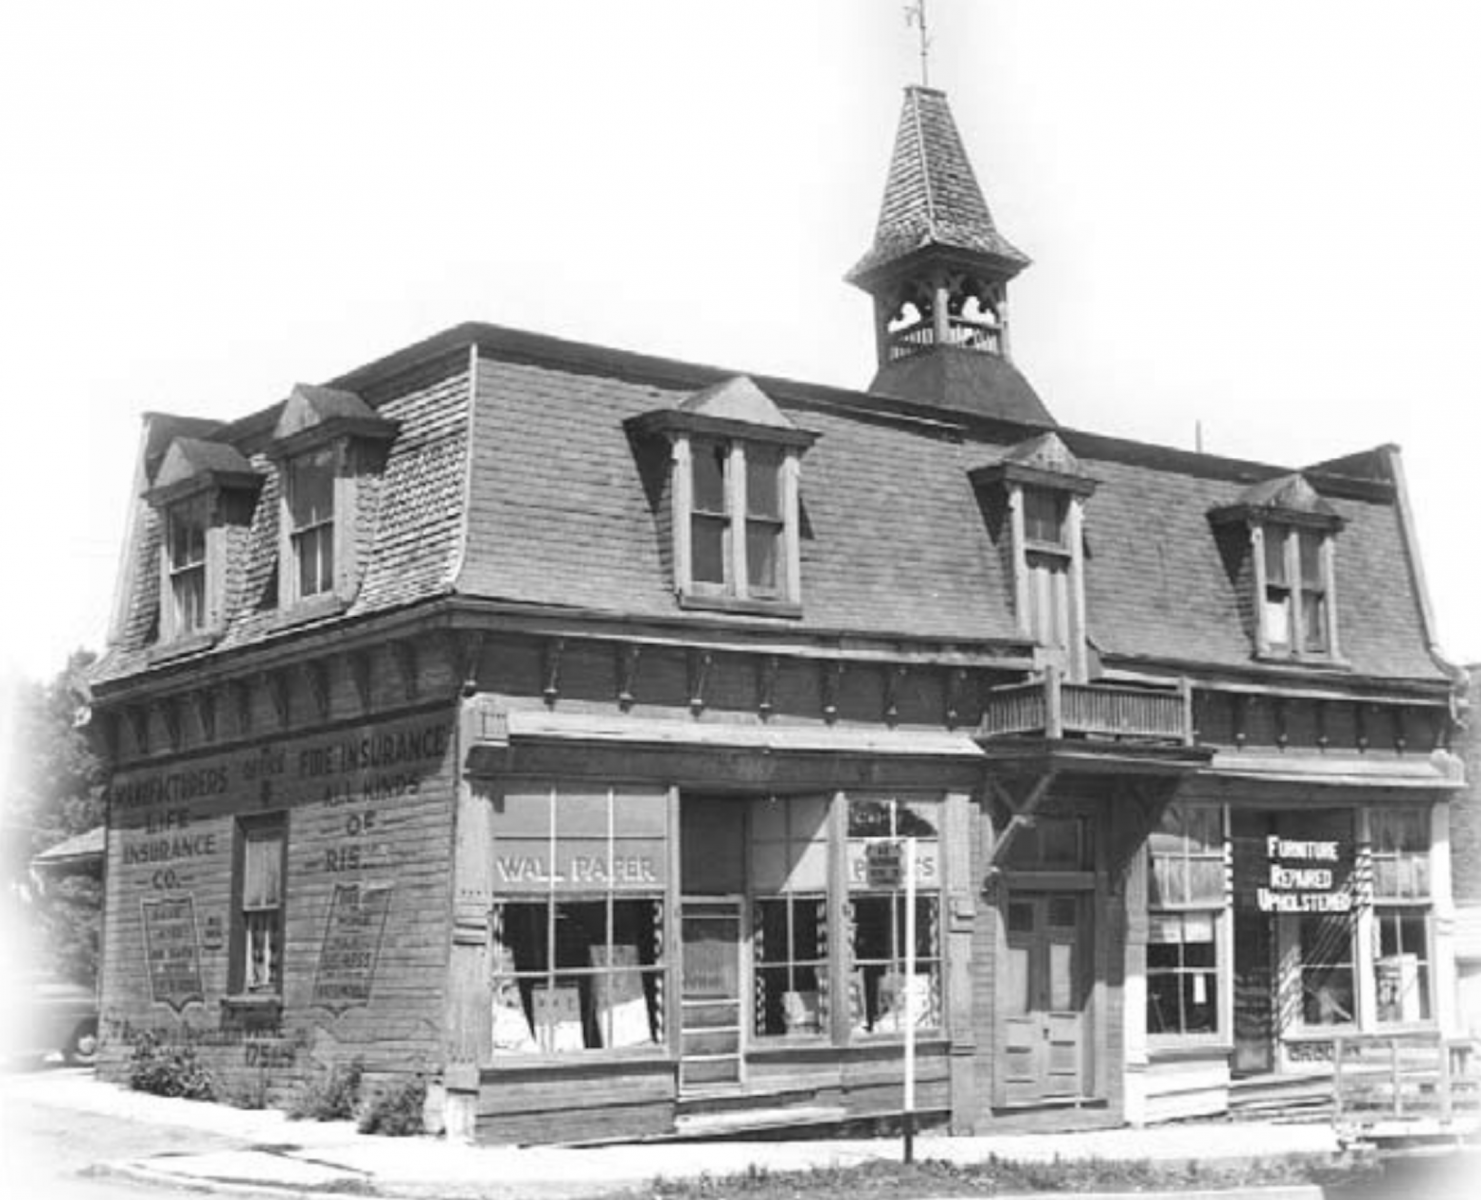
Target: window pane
point(1326, 970)
point(707, 554)
point(1314, 621)
point(315, 549)
point(311, 488)
point(1277, 617)
point(763, 540)
point(1043, 516)
point(1311, 559)
point(763, 483)
point(1275, 555)
point(262, 872)
point(189, 591)
point(187, 536)
point(709, 478)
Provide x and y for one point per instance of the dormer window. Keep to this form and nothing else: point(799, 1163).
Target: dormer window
point(1043, 493)
point(1285, 552)
point(330, 446)
point(734, 500)
point(309, 482)
point(204, 493)
point(186, 550)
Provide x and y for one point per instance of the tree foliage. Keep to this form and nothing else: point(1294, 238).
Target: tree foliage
point(53, 791)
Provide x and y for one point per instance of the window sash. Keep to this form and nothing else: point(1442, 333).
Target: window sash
point(313, 549)
point(1295, 605)
point(737, 545)
point(1182, 974)
point(1401, 964)
point(188, 597)
point(260, 908)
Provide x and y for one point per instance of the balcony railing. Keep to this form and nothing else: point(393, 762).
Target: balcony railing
point(1054, 708)
point(962, 332)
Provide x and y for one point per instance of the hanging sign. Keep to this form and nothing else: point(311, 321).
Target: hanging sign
point(1304, 877)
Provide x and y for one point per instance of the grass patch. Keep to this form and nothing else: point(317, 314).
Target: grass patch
point(995, 1176)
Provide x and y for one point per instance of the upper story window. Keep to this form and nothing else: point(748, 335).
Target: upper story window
point(1288, 562)
point(204, 493)
point(186, 549)
point(310, 489)
point(1045, 492)
point(734, 500)
point(330, 446)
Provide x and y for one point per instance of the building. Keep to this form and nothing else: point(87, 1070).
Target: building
point(560, 723)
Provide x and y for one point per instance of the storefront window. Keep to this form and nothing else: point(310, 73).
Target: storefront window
point(1401, 893)
point(789, 862)
point(1186, 902)
point(1327, 969)
point(578, 927)
point(1182, 974)
point(877, 914)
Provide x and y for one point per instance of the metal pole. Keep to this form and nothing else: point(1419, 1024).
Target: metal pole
point(908, 1121)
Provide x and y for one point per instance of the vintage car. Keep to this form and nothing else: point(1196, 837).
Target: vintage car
point(45, 1015)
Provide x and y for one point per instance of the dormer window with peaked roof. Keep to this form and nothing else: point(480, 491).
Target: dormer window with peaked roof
point(734, 506)
point(1043, 491)
point(1286, 557)
point(329, 444)
point(204, 493)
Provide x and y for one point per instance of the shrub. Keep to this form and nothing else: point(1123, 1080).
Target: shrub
point(333, 1096)
point(396, 1110)
point(169, 1070)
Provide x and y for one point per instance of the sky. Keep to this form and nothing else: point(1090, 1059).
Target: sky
point(1259, 217)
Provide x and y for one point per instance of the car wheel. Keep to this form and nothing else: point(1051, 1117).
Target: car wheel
point(82, 1047)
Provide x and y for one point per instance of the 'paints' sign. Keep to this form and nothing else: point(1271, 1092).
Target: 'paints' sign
point(1305, 877)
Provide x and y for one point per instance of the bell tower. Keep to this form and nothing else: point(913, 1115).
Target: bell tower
point(938, 273)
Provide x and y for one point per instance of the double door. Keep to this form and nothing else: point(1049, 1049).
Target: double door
point(1044, 996)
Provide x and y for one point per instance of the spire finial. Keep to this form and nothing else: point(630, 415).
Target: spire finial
point(915, 14)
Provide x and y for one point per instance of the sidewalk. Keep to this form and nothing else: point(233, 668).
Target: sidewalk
point(305, 1156)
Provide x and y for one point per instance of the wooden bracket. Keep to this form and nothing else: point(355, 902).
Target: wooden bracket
point(241, 697)
point(169, 712)
point(276, 685)
point(832, 687)
point(956, 690)
point(700, 662)
point(1020, 810)
point(405, 654)
point(1239, 718)
point(1278, 715)
point(766, 673)
point(138, 719)
point(470, 658)
point(1401, 728)
point(203, 700)
point(894, 682)
point(1320, 713)
point(554, 648)
point(629, 655)
point(1360, 723)
point(316, 675)
point(361, 663)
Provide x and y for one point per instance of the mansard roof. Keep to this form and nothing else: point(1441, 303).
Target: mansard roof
point(932, 200)
point(519, 481)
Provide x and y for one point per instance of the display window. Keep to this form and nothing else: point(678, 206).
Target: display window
point(1400, 846)
point(578, 930)
point(878, 918)
point(1186, 899)
point(789, 936)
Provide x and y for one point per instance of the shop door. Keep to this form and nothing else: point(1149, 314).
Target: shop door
point(710, 994)
point(1044, 1024)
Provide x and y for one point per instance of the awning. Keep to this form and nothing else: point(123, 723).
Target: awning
point(1438, 771)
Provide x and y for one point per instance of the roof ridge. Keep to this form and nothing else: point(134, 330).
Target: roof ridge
point(925, 163)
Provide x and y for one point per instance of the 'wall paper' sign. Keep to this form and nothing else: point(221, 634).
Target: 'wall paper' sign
point(173, 951)
point(1305, 877)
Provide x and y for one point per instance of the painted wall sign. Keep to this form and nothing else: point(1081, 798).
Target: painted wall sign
point(881, 864)
point(172, 950)
point(1304, 877)
point(525, 865)
point(352, 943)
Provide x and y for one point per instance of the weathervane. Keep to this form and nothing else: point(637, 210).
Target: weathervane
point(915, 14)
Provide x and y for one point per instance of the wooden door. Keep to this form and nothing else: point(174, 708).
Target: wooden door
point(710, 994)
point(1044, 1024)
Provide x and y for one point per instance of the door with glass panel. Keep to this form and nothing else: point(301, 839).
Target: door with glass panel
point(1044, 993)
